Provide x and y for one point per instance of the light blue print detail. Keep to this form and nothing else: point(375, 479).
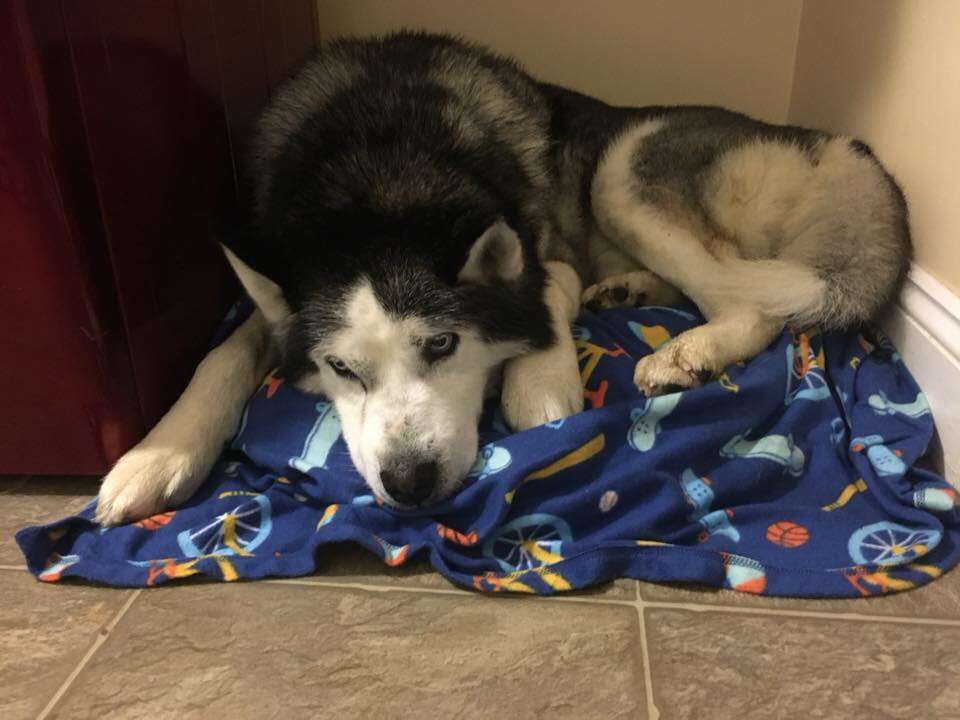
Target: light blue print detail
point(237, 532)
point(779, 448)
point(838, 431)
point(579, 333)
point(937, 499)
point(718, 523)
point(320, 440)
point(646, 421)
point(528, 542)
point(884, 460)
point(700, 496)
point(61, 563)
point(491, 459)
point(698, 493)
point(889, 543)
point(882, 405)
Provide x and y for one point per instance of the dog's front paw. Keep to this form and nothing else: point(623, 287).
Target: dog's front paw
point(144, 482)
point(680, 364)
point(541, 388)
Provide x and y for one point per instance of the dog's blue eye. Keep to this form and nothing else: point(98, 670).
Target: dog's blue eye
point(442, 345)
point(340, 367)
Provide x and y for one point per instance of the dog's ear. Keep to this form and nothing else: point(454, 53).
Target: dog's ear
point(496, 256)
point(264, 292)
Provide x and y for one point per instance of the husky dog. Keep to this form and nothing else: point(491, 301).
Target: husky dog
point(423, 214)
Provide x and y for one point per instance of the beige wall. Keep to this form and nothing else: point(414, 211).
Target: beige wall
point(738, 53)
point(888, 71)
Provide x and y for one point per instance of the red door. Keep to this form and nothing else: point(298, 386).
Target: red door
point(118, 120)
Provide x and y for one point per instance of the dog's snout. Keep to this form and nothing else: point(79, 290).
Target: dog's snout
point(411, 484)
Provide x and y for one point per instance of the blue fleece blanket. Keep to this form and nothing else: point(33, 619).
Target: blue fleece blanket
point(794, 474)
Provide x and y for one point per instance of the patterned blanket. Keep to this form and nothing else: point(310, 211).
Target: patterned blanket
point(793, 474)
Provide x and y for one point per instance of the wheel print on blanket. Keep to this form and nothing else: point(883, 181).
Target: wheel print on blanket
point(236, 532)
point(528, 542)
point(888, 543)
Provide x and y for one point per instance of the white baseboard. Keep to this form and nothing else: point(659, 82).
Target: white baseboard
point(925, 327)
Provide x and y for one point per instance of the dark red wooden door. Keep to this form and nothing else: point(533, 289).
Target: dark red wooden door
point(118, 120)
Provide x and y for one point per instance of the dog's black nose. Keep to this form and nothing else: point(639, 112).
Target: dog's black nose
point(412, 484)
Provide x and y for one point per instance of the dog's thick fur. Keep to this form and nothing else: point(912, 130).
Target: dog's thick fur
point(423, 212)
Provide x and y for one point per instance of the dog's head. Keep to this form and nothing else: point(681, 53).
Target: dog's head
point(407, 350)
point(398, 188)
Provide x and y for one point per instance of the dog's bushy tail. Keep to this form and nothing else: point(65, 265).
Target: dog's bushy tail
point(846, 279)
point(849, 257)
point(782, 289)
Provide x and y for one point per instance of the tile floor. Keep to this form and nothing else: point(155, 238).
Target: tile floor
point(359, 640)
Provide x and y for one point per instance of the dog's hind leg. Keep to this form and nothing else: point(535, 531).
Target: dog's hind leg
point(736, 329)
point(171, 462)
point(677, 247)
point(544, 386)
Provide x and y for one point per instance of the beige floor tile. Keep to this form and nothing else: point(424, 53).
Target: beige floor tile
point(44, 632)
point(349, 563)
point(744, 666)
point(939, 599)
point(262, 650)
point(36, 500)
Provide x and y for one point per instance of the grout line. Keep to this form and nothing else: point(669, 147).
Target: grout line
point(363, 586)
point(587, 600)
point(638, 602)
point(101, 638)
point(819, 614)
point(652, 712)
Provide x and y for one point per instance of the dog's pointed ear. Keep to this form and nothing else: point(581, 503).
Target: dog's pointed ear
point(496, 256)
point(264, 292)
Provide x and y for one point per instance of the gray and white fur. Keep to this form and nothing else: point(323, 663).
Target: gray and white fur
point(422, 213)
point(761, 225)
